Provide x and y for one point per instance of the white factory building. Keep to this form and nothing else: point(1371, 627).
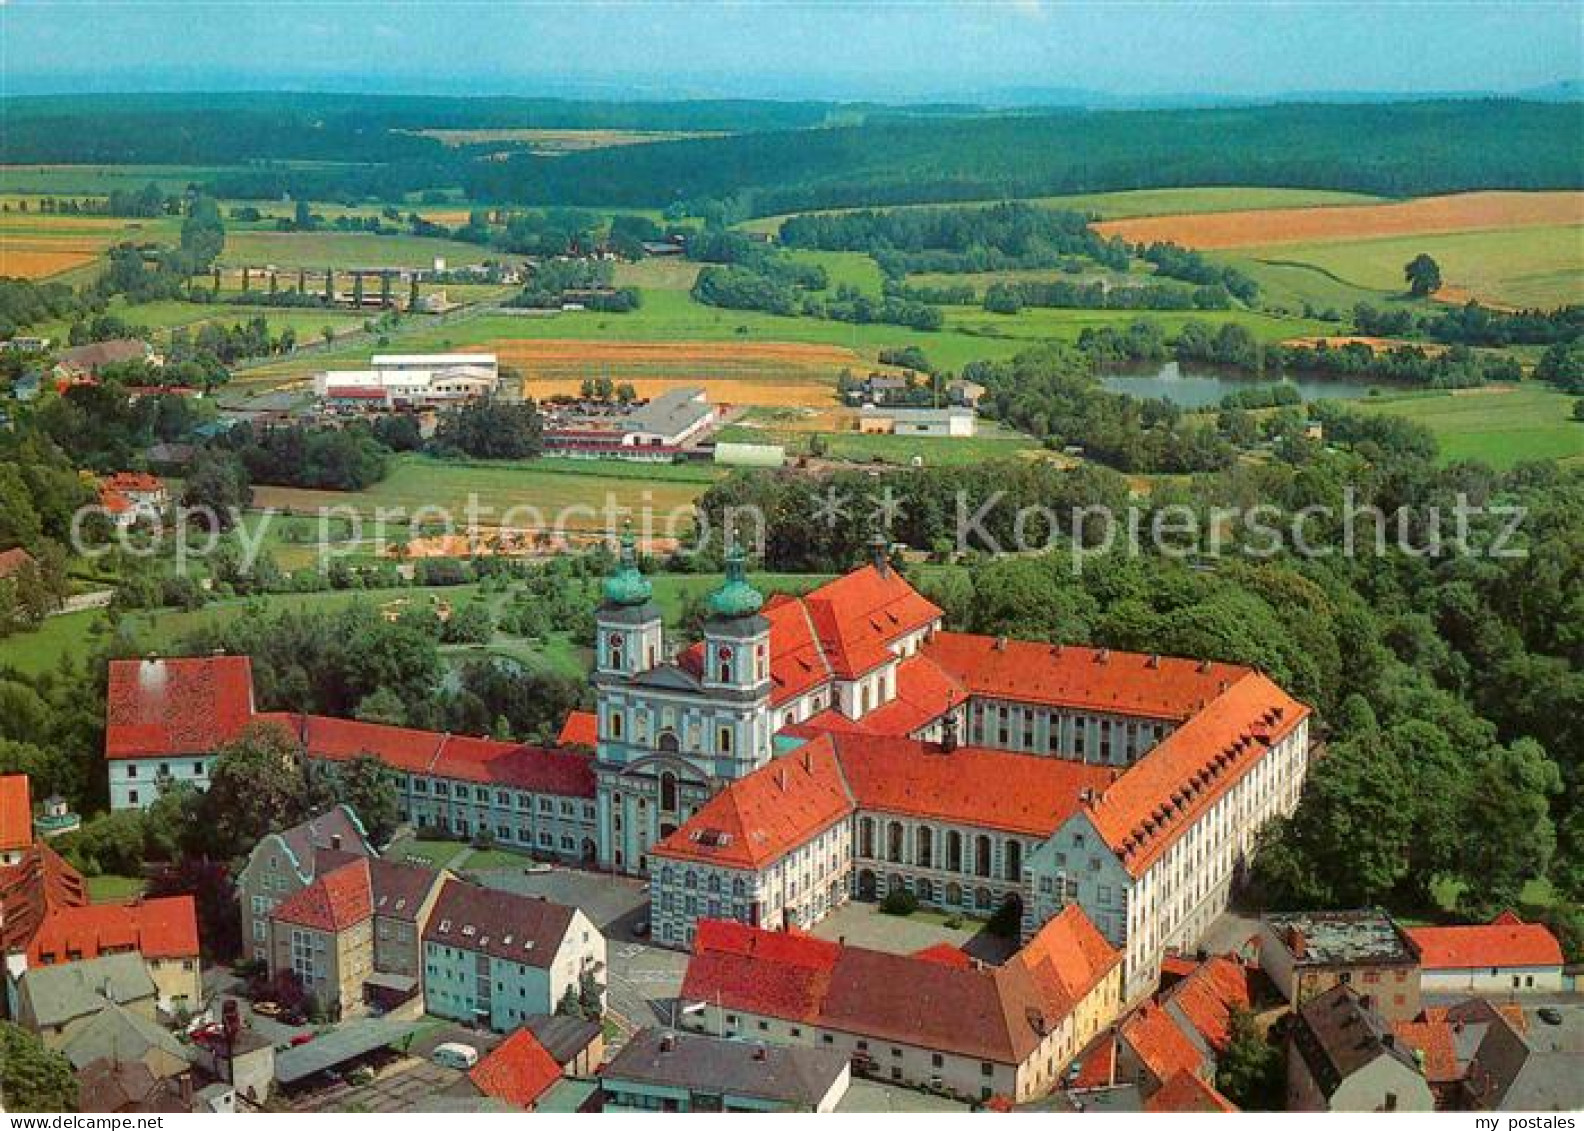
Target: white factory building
point(410, 381)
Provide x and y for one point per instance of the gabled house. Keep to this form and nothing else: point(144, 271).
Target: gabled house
point(1343, 1056)
point(285, 862)
point(1505, 955)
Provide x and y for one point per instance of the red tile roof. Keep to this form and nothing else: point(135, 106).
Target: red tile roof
point(1433, 1040)
point(155, 928)
point(1095, 1065)
point(1506, 941)
point(16, 813)
point(1161, 795)
point(518, 1071)
point(335, 901)
point(998, 1014)
point(774, 973)
point(12, 561)
point(1208, 996)
point(580, 729)
point(1096, 679)
point(946, 955)
point(1018, 793)
point(842, 629)
point(33, 889)
point(1160, 1045)
point(133, 482)
point(761, 817)
point(485, 761)
point(186, 706)
point(1186, 1092)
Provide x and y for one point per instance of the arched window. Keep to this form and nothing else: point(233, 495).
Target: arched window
point(739, 889)
point(690, 880)
point(615, 651)
point(866, 837)
point(714, 884)
point(954, 851)
point(924, 847)
point(894, 842)
point(981, 855)
point(668, 742)
point(668, 790)
point(1014, 860)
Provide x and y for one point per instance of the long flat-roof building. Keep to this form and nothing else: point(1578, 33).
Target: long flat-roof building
point(410, 381)
point(1306, 953)
point(665, 1071)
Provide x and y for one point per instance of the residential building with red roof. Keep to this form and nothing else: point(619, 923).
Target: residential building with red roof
point(1505, 955)
point(16, 818)
point(285, 862)
point(46, 920)
point(976, 1031)
point(130, 497)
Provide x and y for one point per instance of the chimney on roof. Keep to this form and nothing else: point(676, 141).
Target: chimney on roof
point(1296, 942)
point(1204, 665)
point(1153, 661)
point(1103, 656)
point(1000, 643)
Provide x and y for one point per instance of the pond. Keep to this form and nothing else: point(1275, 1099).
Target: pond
point(1201, 387)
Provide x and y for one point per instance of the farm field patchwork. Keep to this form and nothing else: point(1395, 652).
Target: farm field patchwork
point(1500, 425)
point(1540, 266)
point(1463, 212)
point(39, 245)
point(318, 251)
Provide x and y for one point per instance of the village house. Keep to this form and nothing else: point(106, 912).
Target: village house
point(685, 1072)
point(496, 959)
point(78, 363)
point(131, 497)
point(1505, 955)
point(47, 920)
point(1306, 953)
point(284, 863)
point(1343, 1056)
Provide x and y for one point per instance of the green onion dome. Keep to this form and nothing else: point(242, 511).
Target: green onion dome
point(627, 585)
point(735, 597)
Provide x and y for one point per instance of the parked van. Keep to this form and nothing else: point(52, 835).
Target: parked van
point(453, 1054)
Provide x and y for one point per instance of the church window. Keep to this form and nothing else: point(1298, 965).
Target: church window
point(724, 740)
point(616, 724)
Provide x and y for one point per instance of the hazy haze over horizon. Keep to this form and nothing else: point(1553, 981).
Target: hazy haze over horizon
point(1024, 51)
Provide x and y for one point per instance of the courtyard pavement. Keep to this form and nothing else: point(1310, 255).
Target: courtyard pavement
point(863, 924)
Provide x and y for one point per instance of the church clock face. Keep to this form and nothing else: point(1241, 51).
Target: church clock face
point(725, 653)
point(615, 640)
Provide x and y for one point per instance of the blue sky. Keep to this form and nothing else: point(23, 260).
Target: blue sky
point(896, 50)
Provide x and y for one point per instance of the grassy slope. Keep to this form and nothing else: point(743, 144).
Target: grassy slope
point(317, 251)
point(542, 489)
point(1520, 266)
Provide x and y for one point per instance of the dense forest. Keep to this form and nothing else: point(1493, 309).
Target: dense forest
point(1397, 149)
point(769, 158)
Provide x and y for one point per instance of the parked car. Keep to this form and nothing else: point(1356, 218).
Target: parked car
point(300, 1039)
point(454, 1054)
point(1549, 1014)
point(267, 1008)
point(641, 929)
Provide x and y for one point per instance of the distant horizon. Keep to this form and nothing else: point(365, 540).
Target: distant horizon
point(1018, 53)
